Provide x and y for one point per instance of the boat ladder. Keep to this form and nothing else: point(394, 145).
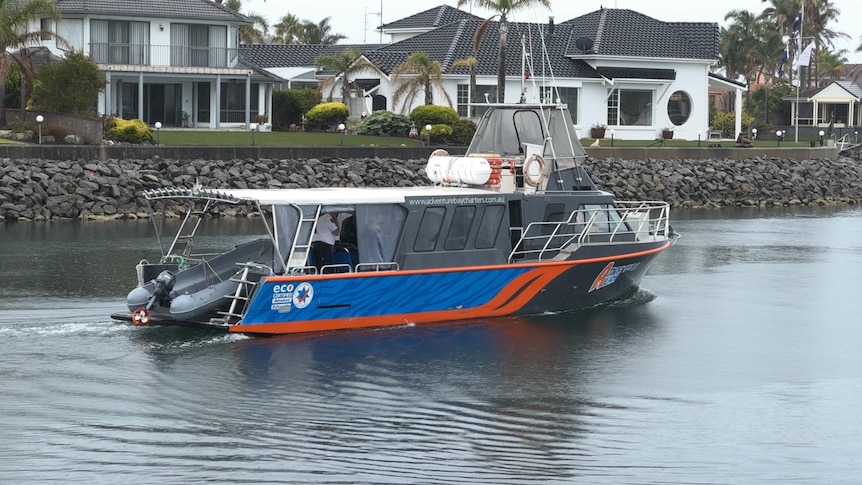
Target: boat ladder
point(240, 298)
point(302, 239)
point(182, 243)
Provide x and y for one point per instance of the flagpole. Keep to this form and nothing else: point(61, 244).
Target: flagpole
point(799, 72)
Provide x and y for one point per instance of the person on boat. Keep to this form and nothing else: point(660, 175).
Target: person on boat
point(323, 240)
point(348, 231)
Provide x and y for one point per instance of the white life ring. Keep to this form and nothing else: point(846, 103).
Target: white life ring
point(529, 179)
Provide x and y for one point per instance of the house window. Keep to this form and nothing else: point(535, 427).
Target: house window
point(629, 107)
point(232, 101)
point(45, 27)
point(462, 99)
point(482, 91)
point(120, 42)
point(679, 108)
point(199, 45)
point(568, 97)
point(72, 31)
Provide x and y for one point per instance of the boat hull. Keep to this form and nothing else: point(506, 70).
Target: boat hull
point(310, 303)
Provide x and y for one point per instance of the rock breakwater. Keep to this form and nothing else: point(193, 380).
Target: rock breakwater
point(34, 189)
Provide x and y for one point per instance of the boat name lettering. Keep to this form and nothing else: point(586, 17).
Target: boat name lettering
point(458, 200)
point(286, 288)
point(610, 274)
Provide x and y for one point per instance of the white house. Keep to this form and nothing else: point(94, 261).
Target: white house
point(615, 67)
point(170, 61)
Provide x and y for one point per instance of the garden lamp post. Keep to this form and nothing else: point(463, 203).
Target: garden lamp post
point(779, 134)
point(821, 137)
point(341, 128)
point(698, 137)
point(39, 120)
point(253, 127)
point(428, 130)
point(158, 132)
point(612, 136)
point(754, 133)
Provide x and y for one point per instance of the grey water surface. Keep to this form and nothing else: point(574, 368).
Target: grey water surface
point(738, 362)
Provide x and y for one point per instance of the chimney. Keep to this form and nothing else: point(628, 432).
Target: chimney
point(551, 25)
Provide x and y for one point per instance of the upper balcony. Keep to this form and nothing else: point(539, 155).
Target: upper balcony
point(176, 56)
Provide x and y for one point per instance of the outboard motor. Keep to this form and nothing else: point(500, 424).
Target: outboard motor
point(164, 284)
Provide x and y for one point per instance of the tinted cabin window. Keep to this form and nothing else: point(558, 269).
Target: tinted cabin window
point(429, 229)
point(553, 213)
point(462, 221)
point(489, 227)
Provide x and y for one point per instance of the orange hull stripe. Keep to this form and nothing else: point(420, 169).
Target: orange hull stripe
point(505, 302)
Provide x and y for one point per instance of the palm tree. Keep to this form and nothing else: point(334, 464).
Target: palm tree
point(830, 65)
point(739, 44)
point(424, 75)
point(15, 18)
point(288, 30)
point(346, 64)
point(503, 9)
point(818, 15)
point(470, 63)
point(250, 34)
point(319, 33)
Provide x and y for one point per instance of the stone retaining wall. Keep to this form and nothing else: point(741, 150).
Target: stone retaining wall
point(35, 189)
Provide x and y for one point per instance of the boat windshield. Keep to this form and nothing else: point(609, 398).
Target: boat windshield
point(504, 130)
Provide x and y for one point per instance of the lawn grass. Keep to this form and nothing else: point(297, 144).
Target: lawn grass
point(275, 138)
point(606, 142)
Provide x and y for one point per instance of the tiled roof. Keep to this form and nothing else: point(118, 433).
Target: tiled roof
point(454, 41)
point(293, 55)
point(626, 33)
point(179, 9)
point(431, 18)
point(851, 87)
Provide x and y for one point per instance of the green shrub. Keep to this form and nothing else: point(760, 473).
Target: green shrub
point(430, 114)
point(131, 131)
point(462, 132)
point(384, 123)
point(288, 106)
point(726, 122)
point(325, 115)
point(13, 87)
point(68, 86)
point(440, 133)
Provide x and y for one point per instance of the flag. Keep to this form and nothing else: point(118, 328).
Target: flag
point(804, 58)
point(797, 23)
point(781, 63)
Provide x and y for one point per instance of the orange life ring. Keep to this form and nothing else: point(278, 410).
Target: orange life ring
point(141, 317)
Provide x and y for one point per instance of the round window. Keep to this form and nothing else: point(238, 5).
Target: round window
point(679, 108)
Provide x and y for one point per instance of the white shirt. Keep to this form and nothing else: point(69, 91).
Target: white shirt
point(326, 230)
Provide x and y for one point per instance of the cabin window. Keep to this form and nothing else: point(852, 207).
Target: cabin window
point(459, 229)
point(554, 213)
point(489, 227)
point(429, 229)
point(606, 217)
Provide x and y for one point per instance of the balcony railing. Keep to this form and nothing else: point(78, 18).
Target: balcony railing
point(163, 55)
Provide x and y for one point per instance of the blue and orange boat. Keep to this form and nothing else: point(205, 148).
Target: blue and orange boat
point(515, 226)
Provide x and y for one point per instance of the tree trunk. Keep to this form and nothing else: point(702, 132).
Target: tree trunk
point(473, 100)
point(501, 61)
point(429, 93)
point(2, 101)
